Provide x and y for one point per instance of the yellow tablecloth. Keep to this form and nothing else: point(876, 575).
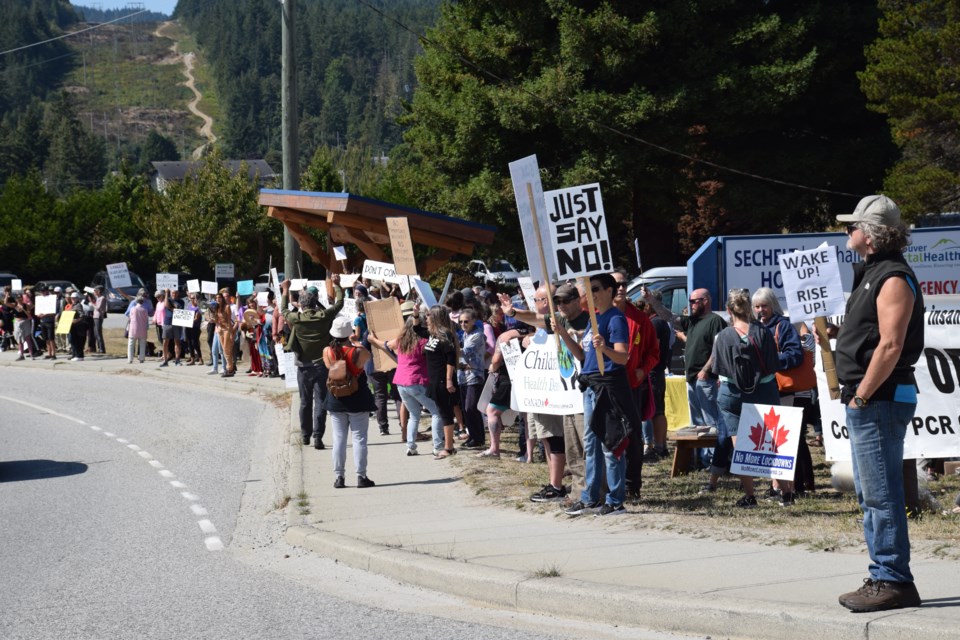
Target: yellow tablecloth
point(677, 407)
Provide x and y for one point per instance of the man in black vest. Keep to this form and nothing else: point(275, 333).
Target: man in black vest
point(878, 344)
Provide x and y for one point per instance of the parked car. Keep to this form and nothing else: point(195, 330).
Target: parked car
point(671, 282)
point(118, 299)
point(499, 271)
point(6, 278)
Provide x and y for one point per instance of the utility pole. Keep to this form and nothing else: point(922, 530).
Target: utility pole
point(291, 170)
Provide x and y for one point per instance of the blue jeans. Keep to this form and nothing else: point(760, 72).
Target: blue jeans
point(345, 424)
point(876, 439)
point(414, 398)
point(730, 401)
point(216, 354)
point(702, 397)
point(597, 458)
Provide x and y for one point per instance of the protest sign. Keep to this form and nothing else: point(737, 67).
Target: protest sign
point(405, 286)
point(167, 281)
point(274, 279)
point(446, 287)
point(347, 280)
point(224, 271)
point(509, 415)
point(349, 310)
point(386, 322)
point(193, 286)
point(320, 285)
point(544, 382)
point(66, 320)
point(636, 248)
point(425, 291)
point(812, 283)
point(44, 305)
point(89, 290)
point(298, 284)
point(263, 298)
point(382, 271)
point(183, 318)
point(934, 431)
point(528, 291)
point(511, 353)
point(244, 287)
point(16, 284)
point(767, 441)
point(578, 232)
point(401, 245)
point(528, 193)
point(119, 276)
point(287, 367)
point(207, 286)
point(340, 253)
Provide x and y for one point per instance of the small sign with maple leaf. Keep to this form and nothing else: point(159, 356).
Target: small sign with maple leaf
point(767, 441)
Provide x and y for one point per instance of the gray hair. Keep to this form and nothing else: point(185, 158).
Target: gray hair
point(766, 295)
point(884, 239)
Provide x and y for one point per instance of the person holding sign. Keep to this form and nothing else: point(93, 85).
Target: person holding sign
point(880, 341)
point(171, 333)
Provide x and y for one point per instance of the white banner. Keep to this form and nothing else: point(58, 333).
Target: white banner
point(119, 276)
point(167, 281)
point(207, 286)
point(382, 271)
point(525, 172)
point(935, 430)
point(224, 271)
point(544, 383)
point(812, 283)
point(183, 318)
point(578, 231)
point(44, 305)
point(767, 441)
point(193, 286)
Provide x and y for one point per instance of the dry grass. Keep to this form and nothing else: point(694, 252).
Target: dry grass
point(824, 520)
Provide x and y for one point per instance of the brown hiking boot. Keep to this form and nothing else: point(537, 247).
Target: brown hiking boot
point(880, 595)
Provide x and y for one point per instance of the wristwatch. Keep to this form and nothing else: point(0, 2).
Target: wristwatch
point(860, 402)
point(512, 313)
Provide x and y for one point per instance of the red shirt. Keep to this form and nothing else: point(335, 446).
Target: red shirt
point(644, 346)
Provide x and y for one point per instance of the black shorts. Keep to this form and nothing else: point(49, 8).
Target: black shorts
point(446, 401)
point(659, 384)
point(501, 392)
point(47, 330)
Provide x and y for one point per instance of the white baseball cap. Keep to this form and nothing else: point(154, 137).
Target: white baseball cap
point(878, 210)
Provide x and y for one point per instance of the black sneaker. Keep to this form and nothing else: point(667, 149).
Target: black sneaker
point(384, 432)
point(650, 456)
point(339, 483)
point(612, 510)
point(549, 493)
point(578, 508)
point(363, 482)
point(772, 495)
point(880, 595)
point(663, 453)
point(470, 444)
point(786, 500)
point(747, 502)
point(306, 439)
point(318, 444)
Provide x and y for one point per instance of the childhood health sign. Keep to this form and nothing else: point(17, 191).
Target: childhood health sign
point(578, 231)
point(545, 383)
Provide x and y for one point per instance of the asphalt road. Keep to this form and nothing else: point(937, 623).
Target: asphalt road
point(133, 508)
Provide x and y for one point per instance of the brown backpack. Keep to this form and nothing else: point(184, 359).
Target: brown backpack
point(342, 377)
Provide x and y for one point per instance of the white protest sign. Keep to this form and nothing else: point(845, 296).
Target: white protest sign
point(119, 276)
point(511, 352)
point(167, 281)
point(89, 290)
point(347, 280)
point(263, 298)
point(526, 172)
point(446, 287)
point(767, 441)
point(224, 271)
point(207, 286)
point(544, 383)
point(340, 253)
point(636, 248)
point(349, 310)
point(182, 318)
point(44, 305)
point(578, 231)
point(319, 284)
point(382, 271)
point(405, 287)
point(425, 291)
point(274, 279)
point(812, 283)
point(193, 286)
point(529, 292)
point(16, 284)
point(298, 284)
point(287, 367)
point(934, 431)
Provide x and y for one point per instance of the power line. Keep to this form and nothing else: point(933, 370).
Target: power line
point(597, 123)
point(72, 33)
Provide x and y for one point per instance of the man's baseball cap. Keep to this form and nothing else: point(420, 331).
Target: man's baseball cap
point(878, 210)
point(567, 291)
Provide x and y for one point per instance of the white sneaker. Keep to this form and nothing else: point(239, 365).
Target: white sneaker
point(75, 359)
point(129, 361)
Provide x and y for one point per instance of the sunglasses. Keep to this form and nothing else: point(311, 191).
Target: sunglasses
point(565, 300)
point(596, 289)
point(621, 285)
point(696, 300)
point(851, 228)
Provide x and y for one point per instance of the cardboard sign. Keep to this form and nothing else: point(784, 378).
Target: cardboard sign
point(167, 281)
point(119, 276)
point(812, 283)
point(578, 232)
point(224, 271)
point(208, 287)
point(767, 441)
point(193, 286)
point(529, 292)
point(382, 271)
point(526, 173)
point(45, 305)
point(66, 320)
point(340, 253)
point(425, 291)
point(385, 320)
point(16, 284)
point(544, 382)
point(244, 287)
point(263, 298)
point(401, 246)
point(183, 318)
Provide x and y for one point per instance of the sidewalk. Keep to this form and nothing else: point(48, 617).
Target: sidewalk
point(421, 525)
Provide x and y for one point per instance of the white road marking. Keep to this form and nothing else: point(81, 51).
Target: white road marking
point(189, 496)
point(213, 543)
point(198, 510)
point(176, 484)
point(109, 435)
point(206, 526)
point(166, 473)
point(122, 441)
point(96, 428)
point(133, 447)
point(145, 455)
point(156, 464)
point(43, 409)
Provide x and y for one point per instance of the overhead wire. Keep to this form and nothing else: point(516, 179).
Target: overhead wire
point(72, 33)
point(653, 145)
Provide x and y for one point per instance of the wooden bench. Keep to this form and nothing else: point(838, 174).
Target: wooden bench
point(685, 446)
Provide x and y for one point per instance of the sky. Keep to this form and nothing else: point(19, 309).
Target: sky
point(163, 6)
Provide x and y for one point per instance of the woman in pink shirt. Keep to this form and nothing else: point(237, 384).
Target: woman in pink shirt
point(137, 331)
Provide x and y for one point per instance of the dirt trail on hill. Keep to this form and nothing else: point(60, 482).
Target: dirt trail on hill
point(207, 129)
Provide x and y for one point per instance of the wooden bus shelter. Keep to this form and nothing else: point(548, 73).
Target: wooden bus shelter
point(349, 218)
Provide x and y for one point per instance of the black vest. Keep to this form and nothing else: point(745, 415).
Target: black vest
point(860, 333)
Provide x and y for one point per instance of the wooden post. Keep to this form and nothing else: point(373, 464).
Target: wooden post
point(543, 265)
point(829, 367)
point(593, 318)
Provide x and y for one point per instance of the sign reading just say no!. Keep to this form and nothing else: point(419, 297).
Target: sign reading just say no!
point(578, 231)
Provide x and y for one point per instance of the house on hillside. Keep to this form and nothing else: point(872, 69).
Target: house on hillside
point(167, 172)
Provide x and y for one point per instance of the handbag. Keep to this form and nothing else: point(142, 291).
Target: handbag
point(799, 378)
